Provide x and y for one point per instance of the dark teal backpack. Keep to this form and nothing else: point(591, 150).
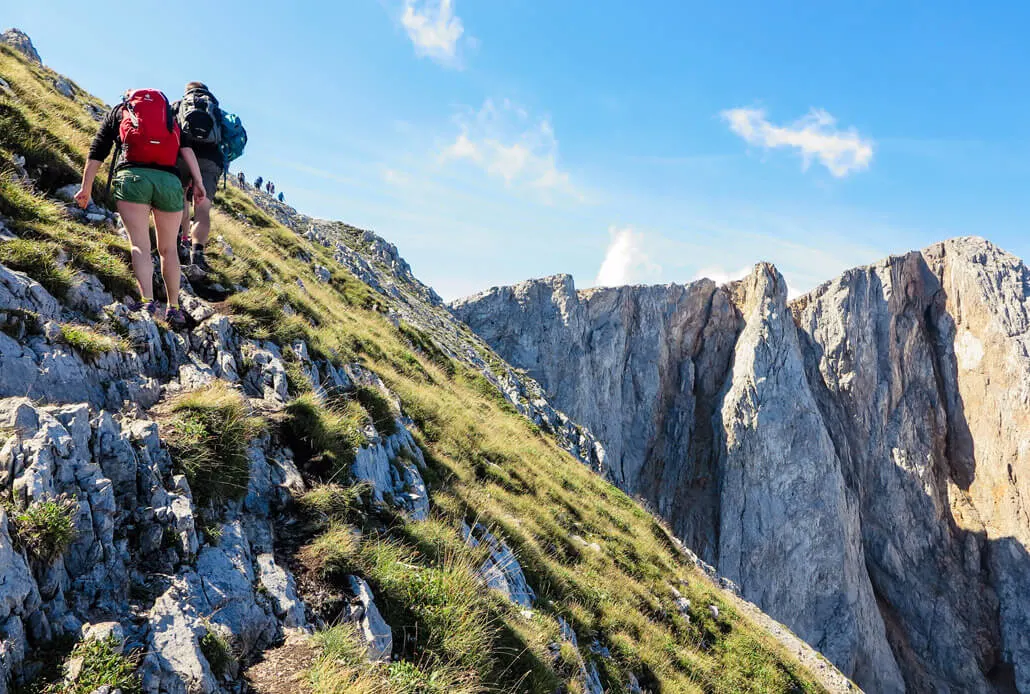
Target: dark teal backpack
point(234, 138)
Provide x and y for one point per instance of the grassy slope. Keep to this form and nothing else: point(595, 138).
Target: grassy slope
point(487, 464)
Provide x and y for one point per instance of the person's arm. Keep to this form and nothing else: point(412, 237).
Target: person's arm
point(98, 151)
point(89, 174)
point(198, 182)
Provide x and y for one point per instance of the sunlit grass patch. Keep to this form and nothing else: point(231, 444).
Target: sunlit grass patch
point(209, 431)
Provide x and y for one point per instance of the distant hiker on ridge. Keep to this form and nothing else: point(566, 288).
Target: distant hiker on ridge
point(146, 181)
point(257, 183)
point(282, 198)
point(216, 138)
point(241, 179)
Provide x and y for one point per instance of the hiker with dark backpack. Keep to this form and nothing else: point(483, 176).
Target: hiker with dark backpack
point(257, 183)
point(217, 138)
point(146, 181)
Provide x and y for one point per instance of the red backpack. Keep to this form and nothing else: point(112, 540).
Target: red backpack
point(149, 132)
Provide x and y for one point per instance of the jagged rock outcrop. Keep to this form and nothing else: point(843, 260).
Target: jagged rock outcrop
point(20, 41)
point(854, 460)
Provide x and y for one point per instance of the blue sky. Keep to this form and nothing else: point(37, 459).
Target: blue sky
point(494, 141)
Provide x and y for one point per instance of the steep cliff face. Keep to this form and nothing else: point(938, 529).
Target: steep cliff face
point(855, 460)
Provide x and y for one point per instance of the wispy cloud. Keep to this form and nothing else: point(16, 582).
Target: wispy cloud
point(815, 135)
point(721, 275)
point(434, 29)
point(505, 142)
point(627, 260)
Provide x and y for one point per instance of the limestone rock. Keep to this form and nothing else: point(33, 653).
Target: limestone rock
point(64, 87)
point(501, 570)
point(19, 41)
point(374, 630)
point(854, 461)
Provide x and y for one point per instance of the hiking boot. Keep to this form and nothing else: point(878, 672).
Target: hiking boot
point(175, 318)
point(147, 305)
point(197, 259)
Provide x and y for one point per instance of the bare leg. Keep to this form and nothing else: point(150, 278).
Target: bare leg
point(167, 224)
point(202, 221)
point(184, 226)
point(136, 218)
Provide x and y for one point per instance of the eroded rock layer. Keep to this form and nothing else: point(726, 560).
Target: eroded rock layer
point(855, 460)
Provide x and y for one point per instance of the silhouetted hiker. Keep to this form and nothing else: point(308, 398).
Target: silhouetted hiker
point(200, 118)
point(146, 181)
point(269, 187)
point(257, 183)
point(241, 179)
point(282, 198)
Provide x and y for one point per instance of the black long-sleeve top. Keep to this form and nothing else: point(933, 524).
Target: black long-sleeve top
point(107, 137)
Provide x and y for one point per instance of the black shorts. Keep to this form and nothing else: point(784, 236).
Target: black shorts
point(210, 173)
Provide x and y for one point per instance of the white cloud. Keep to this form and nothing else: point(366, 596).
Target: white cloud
point(627, 260)
point(814, 135)
point(720, 275)
point(507, 144)
point(433, 28)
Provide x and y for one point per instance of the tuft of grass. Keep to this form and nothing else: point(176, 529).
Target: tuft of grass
point(37, 259)
point(335, 502)
point(445, 604)
point(264, 317)
point(332, 554)
point(217, 652)
point(90, 343)
point(297, 378)
point(378, 408)
point(45, 529)
point(330, 435)
point(342, 668)
point(209, 431)
point(407, 678)
point(102, 663)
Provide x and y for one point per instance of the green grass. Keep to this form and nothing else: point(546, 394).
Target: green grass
point(208, 432)
point(90, 343)
point(378, 408)
point(333, 554)
point(329, 436)
point(45, 529)
point(103, 663)
point(217, 652)
point(334, 502)
point(342, 667)
point(44, 232)
point(37, 260)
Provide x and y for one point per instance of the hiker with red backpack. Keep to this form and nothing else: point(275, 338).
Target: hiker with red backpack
point(146, 181)
point(217, 138)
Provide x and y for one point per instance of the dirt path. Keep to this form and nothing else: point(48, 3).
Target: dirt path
point(283, 669)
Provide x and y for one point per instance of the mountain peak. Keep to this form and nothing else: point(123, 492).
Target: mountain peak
point(20, 41)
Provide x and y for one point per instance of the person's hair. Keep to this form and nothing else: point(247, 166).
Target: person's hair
point(195, 85)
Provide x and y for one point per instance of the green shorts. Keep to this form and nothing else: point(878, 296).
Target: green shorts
point(159, 189)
